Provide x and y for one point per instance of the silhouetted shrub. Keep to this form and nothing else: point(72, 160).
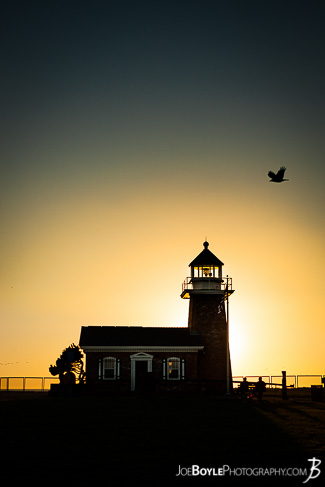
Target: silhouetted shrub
point(69, 365)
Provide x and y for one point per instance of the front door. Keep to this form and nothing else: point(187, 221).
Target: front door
point(141, 366)
point(141, 371)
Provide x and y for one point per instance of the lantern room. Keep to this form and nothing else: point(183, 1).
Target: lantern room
point(206, 274)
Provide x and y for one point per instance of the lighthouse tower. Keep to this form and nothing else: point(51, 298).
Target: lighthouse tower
point(209, 293)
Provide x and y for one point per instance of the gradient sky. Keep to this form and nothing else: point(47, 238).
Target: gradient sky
point(130, 131)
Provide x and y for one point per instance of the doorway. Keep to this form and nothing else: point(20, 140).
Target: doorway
point(141, 373)
point(141, 366)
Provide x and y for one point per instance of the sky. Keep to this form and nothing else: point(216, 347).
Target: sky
point(130, 133)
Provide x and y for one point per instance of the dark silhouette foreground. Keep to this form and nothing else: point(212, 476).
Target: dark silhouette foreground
point(116, 441)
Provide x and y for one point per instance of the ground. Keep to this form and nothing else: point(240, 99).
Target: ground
point(144, 441)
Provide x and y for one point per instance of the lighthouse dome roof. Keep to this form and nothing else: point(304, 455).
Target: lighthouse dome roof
point(206, 257)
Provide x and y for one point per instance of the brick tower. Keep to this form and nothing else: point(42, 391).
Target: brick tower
point(209, 295)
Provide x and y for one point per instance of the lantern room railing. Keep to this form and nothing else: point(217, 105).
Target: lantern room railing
point(209, 284)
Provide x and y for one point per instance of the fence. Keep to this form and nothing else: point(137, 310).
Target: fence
point(276, 380)
point(44, 383)
point(40, 384)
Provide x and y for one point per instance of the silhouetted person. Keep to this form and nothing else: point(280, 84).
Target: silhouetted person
point(243, 387)
point(260, 387)
point(278, 177)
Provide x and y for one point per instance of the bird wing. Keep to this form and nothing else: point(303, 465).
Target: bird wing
point(281, 172)
point(271, 174)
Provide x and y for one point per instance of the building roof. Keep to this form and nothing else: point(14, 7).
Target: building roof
point(206, 257)
point(114, 336)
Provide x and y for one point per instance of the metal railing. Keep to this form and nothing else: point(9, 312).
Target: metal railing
point(300, 380)
point(42, 384)
point(23, 384)
point(209, 283)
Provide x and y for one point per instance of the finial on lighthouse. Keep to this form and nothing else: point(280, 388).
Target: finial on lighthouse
point(205, 244)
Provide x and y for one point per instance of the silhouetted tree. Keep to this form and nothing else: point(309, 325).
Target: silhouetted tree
point(69, 362)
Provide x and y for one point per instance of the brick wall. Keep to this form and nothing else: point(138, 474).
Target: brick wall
point(124, 382)
point(207, 315)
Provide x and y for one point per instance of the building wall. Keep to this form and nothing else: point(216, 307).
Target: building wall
point(207, 315)
point(123, 383)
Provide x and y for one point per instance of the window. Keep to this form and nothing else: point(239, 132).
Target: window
point(109, 368)
point(173, 368)
point(205, 271)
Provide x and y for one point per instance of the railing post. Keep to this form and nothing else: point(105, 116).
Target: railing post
point(284, 384)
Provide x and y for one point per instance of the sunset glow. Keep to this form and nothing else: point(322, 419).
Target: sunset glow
point(123, 151)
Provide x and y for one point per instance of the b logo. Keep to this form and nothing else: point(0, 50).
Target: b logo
point(314, 470)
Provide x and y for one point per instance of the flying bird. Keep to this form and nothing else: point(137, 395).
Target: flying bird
point(278, 177)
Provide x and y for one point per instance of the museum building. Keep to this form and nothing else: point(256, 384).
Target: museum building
point(122, 359)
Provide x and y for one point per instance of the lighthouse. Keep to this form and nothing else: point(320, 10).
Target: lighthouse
point(208, 293)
